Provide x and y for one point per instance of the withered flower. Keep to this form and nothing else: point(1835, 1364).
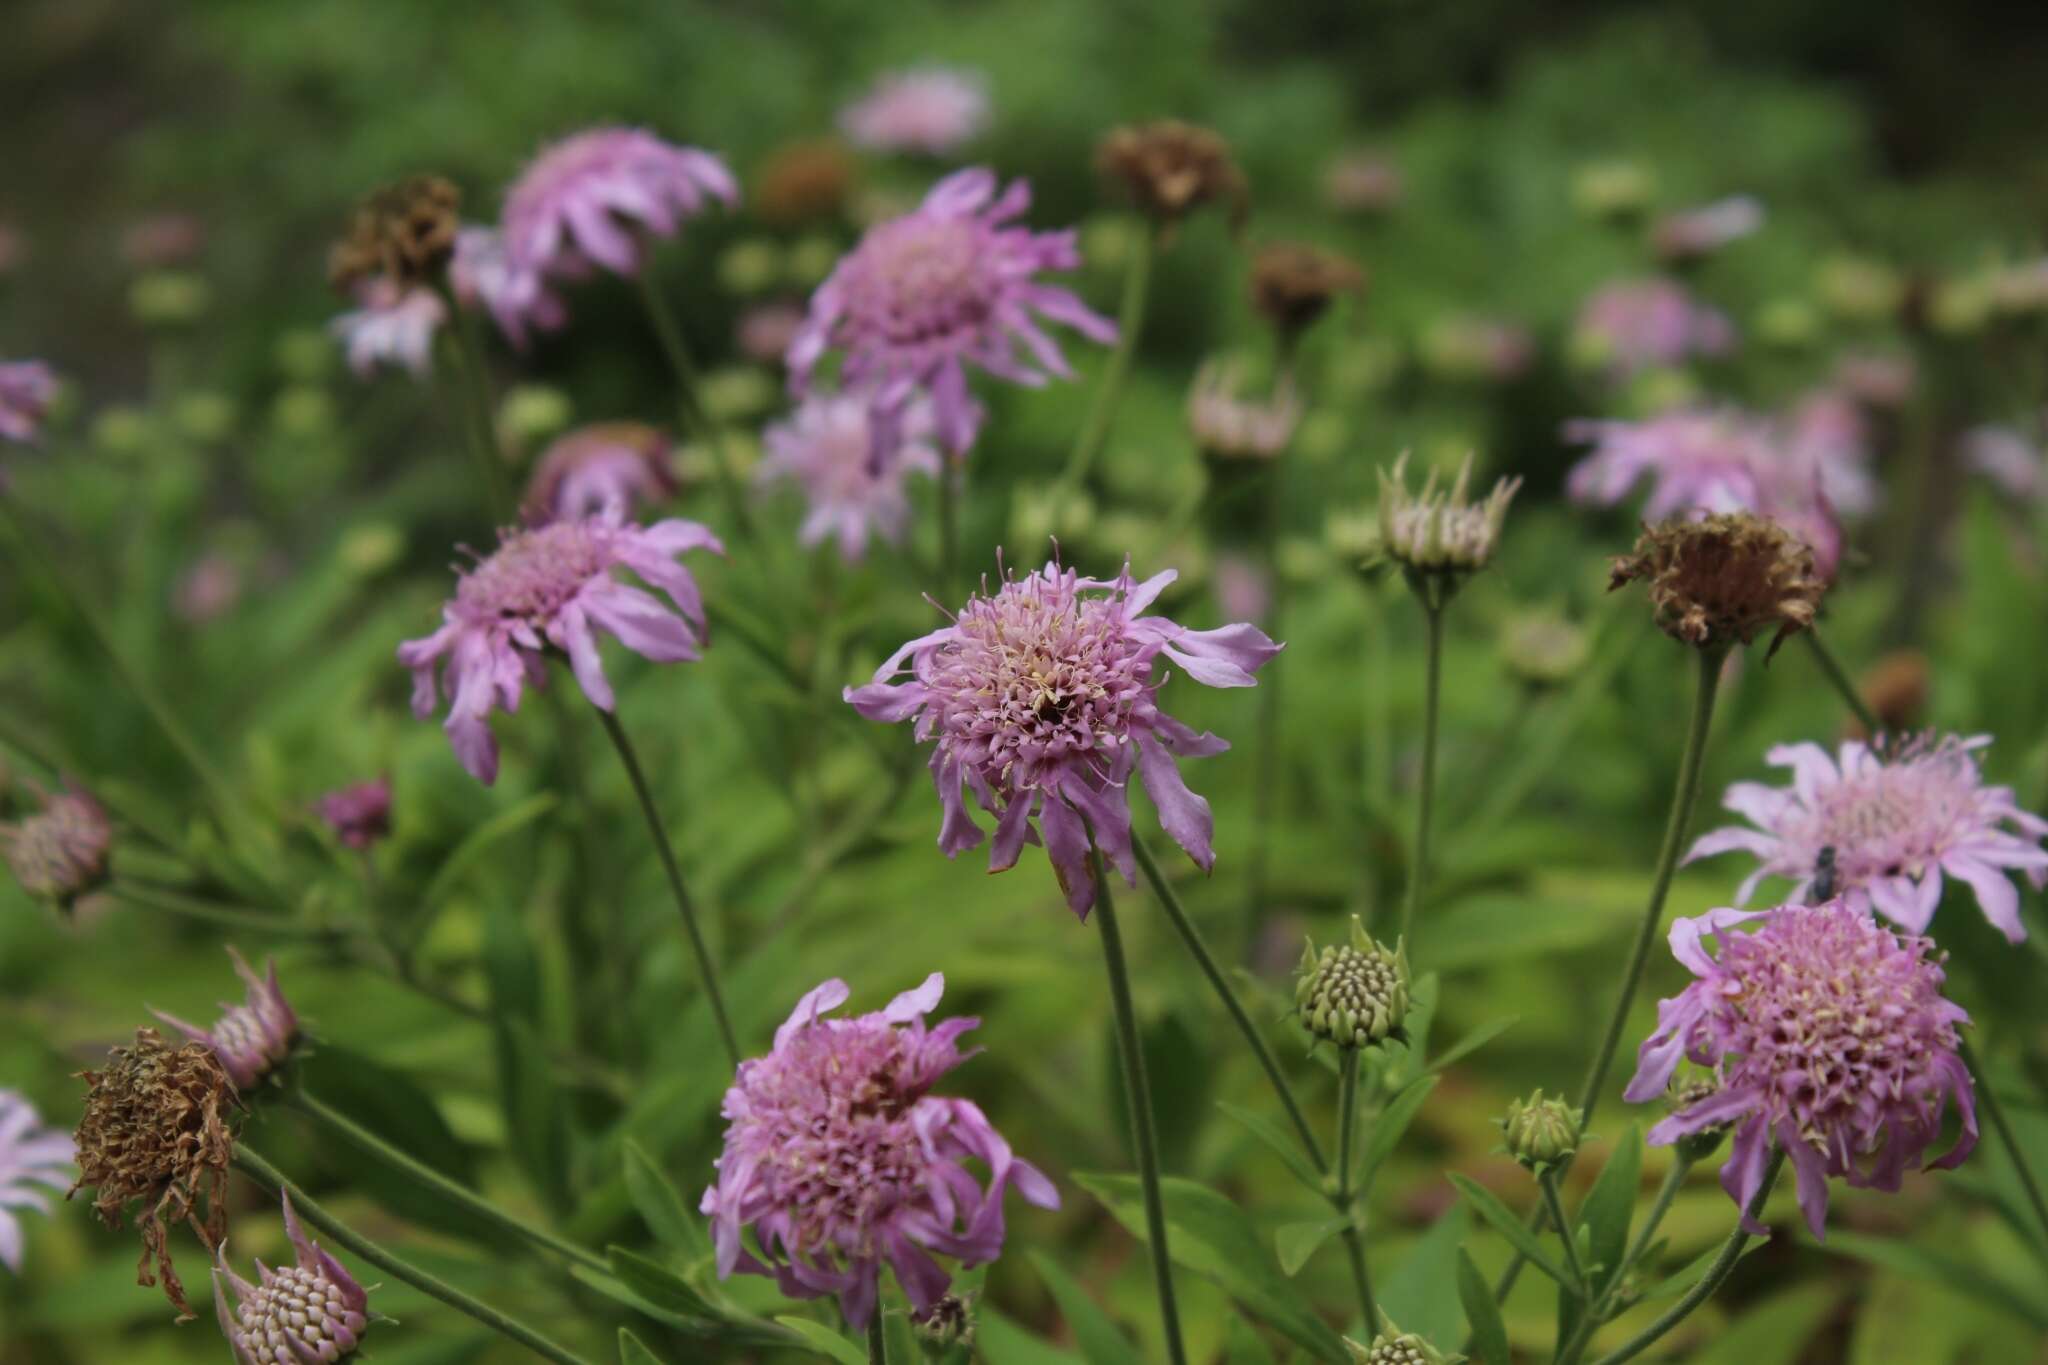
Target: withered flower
point(1293, 284)
point(1895, 689)
point(802, 182)
point(1724, 579)
point(1173, 168)
point(404, 233)
point(157, 1130)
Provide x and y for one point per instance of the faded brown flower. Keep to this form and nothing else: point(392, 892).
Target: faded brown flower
point(802, 182)
point(1895, 689)
point(157, 1131)
point(1725, 579)
point(1173, 168)
point(1293, 284)
point(404, 233)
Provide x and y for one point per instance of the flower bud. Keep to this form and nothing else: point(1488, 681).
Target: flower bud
point(253, 1038)
point(1396, 1347)
point(312, 1311)
point(59, 853)
point(1699, 1144)
point(1543, 649)
point(1541, 1132)
point(1355, 994)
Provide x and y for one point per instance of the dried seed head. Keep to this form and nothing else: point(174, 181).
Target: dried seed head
point(1396, 1347)
point(1293, 284)
point(1724, 579)
point(1173, 168)
point(1541, 1132)
point(157, 1131)
point(404, 233)
point(1353, 995)
point(59, 853)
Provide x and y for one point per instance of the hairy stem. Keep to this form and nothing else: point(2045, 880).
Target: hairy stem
point(1418, 872)
point(1130, 322)
point(1354, 1241)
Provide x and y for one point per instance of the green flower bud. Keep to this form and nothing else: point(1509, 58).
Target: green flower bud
point(1353, 995)
point(1396, 1347)
point(1541, 1132)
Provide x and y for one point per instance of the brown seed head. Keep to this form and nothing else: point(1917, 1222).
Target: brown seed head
point(1896, 689)
point(1293, 283)
point(1173, 168)
point(157, 1131)
point(1724, 579)
point(404, 233)
point(802, 182)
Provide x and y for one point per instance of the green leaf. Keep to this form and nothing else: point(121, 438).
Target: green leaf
point(1286, 1148)
point(632, 1352)
point(480, 840)
point(1959, 1275)
point(1611, 1204)
point(661, 1286)
point(1391, 1125)
point(1775, 1332)
point(739, 1332)
point(1242, 1344)
point(1002, 1342)
point(1296, 1242)
point(1671, 1286)
point(1489, 1333)
point(1472, 1042)
point(1211, 1236)
point(1507, 1225)
point(1422, 1293)
point(536, 1116)
point(661, 1207)
point(1100, 1341)
point(824, 1341)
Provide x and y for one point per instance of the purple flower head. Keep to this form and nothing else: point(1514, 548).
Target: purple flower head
point(1042, 698)
point(303, 1314)
point(1635, 325)
point(482, 275)
point(854, 485)
point(945, 286)
point(1705, 230)
point(611, 467)
point(27, 388)
point(60, 852)
point(552, 587)
point(1897, 823)
point(394, 325)
point(930, 110)
point(840, 1158)
point(586, 199)
point(2006, 457)
point(359, 814)
point(31, 1154)
point(1828, 1034)
point(253, 1038)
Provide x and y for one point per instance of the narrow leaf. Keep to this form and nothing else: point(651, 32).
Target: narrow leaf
point(1100, 1341)
point(1296, 1242)
point(1283, 1146)
point(822, 1340)
point(1392, 1125)
point(1925, 1263)
point(633, 1352)
point(1611, 1204)
point(1507, 1225)
point(661, 1207)
point(1482, 1314)
point(659, 1285)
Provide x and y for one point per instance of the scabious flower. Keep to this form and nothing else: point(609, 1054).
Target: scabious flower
point(942, 287)
point(1635, 325)
point(553, 587)
point(60, 852)
point(931, 110)
point(394, 325)
point(1702, 231)
point(359, 814)
point(1828, 1034)
point(603, 467)
point(1437, 532)
point(854, 487)
point(30, 1155)
point(253, 1038)
point(27, 388)
point(1896, 823)
point(840, 1157)
point(300, 1314)
point(1042, 698)
point(1229, 426)
point(483, 275)
point(586, 200)
point(1724, 579)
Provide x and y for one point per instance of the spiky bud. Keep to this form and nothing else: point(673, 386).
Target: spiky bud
point(295, 1314)
point(1725, 579)
point(1396, 1347)
point(1685, 1092)
point(1353, 994)
point(1540, 1132)
point(251, 1039)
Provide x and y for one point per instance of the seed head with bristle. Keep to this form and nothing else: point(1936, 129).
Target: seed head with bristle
point(1353, 994)
point(1724, 579)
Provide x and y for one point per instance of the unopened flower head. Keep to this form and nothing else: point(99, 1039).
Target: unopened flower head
point(929, 110)
point(27, 388)
point(614, 468)
point(1229, 426)
point(1293, 284)
point(1635, 325)
point(593, 198)
point(840, 1158)
point(518, 297)
point(392, 325)
point(59, 853)
point(853, 483)
point(951, 284)
point(1353, 994)
point(1170, 169)
point(1724, 579)
point(1897, 822)
point(359, 814)
point(402, 234)
point(548, 588)
point(31, 1154)
point(251, 1039)
point(1041, 698)
point(1392, 1346)
point(157, 1129)
point(1829, 1036)
point(1543, 649)
point(1441, 532)
point(1702, 231)
point(310, 1313)
point(1540, 1132)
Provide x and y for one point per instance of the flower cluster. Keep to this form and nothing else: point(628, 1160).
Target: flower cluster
point(1829, 1036)
point(30, 1155)
point(840, 1158)
point(1042, 698)
point(852, 483)
point(931, 110)
point(301, 1314)
point(587, 200)
point(392, 325)
point(253, 1038)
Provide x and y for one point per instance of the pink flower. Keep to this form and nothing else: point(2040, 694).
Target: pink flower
point(395, 325)
point(27, 388)
point(60, 852)
point(253, 1038)
point(1043, 698)
point(587, 198)
point(1704, 230)
point(2008, 459)
point(482, 275)
point(1827, 1033)
point(840, 1158)
point(1229, 425)
point(30, 1155)
point(552, 587)
point(360, 814)
point(208, 589)
point(1896, 825)
point(607, 466)
point(944, 286)
point(766, 331)
point(1634, 325)
point(297, 1314)
point(1877, 379)
point(852, 482)
point(929, 109)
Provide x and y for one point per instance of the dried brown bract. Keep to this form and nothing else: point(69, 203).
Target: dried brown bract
point(1294, 283)
point(1724, 579)
point(157, 1131)
point(404, 233)
point(1173, 168)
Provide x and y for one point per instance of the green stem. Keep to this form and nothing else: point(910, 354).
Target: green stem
point(1138, 1095)
point(878, 1339)
point(1832, 667)
point(172, 902)
point(1418, 873)
point(474, 401)
point(1130, 322)
point(1592, 1320)
point(669, 332)
point(1988, 1097)
point(1199, 950)
point(363, 1140)
point(1731, 1251)
point(1354, 1242)
point(949, 525)
point(706, 970)
point(1547, 1182)
point(273, 1180)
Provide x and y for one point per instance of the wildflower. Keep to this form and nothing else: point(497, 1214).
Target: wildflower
point(1635, 325)
point(1363, 182)
point(1828, 1034)
point(394, 325)
point(359, 814)
point(402, 234)
point(157, 1129)
point(59, 853)
point(253, 1038)
point(1293, 284)
point(1440, 533)
point(482, 274)
point(944, 286)
point(1724, 579)
point(854, 487)
point(1896, 823)
point(1705, 230)
point(840, 1157)
point(932, 110)
point(1392, 1346)
point(586, 200)
point(548, 587)
point(1228, 426)
point(296, 1314)
point(1171, 168)
point(766, 330)
point(605, 467)
point(1540, 1133)
point(30, 1155)
point(2013, 463)
point(1353, 994)
point(1042, 698)
point(27, 388)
